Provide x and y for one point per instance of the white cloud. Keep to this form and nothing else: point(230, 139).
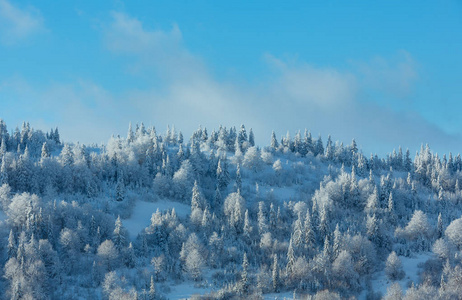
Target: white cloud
point(325, 88)
point(127, 35)
point(296, 96)
point(153, 50)
point(395, 76)
point(17, 24)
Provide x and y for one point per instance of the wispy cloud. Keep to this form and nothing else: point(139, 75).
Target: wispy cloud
point(17, 24)
point(126, 34)
point(152, 50)
point(395, 76)
point(297, 95)
point(325, 88)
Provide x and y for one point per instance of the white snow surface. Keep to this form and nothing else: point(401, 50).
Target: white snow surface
point(279, 296)
point(185, 290)
point(142, 212)
point(280, 193)
point(410, 267)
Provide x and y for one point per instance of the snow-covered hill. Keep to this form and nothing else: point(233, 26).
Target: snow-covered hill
point(152, 216)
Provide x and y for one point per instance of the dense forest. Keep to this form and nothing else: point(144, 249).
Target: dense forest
point(299, 218)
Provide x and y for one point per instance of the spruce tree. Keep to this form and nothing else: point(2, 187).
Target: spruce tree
point(247, 227)
point(130, 134)
point(319, 150)
point(120, 187)
point(274, 142)
point(119, 236)
point(439, 226)
point(290, 260)
point(222, 175)
point(337, 241)
point(152, 289)
point(297, 234)
point(244, 275)
point(261, 219)
point(238, 178)
point(275, 274)
point(3, 172)
point(130, 257)
point(309, 236)
point(11, 245)
point(251, 138)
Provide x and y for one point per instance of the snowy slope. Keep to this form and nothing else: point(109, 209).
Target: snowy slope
point(142, 212)
point(410, 267)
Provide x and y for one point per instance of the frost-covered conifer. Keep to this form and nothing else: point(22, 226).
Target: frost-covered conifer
point(3, 172)
point(120, 187)
point(247, 231)
point(261, 218)
point(120, 235)
point(275, 274)
point(11, 245)
point(238, 178)
point(439, 226)
point(251, 138)
point(152, 289)
point(290, 260)
point(337, 241)
point(222, 175)
point(274, 142)
point(245, 284)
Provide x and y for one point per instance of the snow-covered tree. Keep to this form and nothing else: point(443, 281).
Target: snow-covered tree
point(394, 268)
point(108, 254)
point(234, 209)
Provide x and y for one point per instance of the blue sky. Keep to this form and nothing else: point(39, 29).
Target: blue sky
point(385, 72)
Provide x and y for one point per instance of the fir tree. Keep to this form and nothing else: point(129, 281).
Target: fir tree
point(119, 236)
point(196, 199)
point(217, 199)
point(251, 138)
point(439, 226)
point(323, 226)
point(337, 241)
point(130, 257)
point(120, 187)
point(309, 237)
point(222, 175)
point(275, 275)
point(391, 209)
point(290, 260)
point(274, 142)
point(11, 245)
point(130, 134)
point(319, 150)
point(247, 227)
point(3, 172)
point(261, 219)
point(152, 289)
point(297, 235)
point(238, 178)
point(245, 285)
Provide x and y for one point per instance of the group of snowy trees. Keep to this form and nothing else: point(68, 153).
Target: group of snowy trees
point(298, 214)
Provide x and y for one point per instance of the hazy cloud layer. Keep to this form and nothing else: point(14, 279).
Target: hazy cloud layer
point(17, 23)
point(395, 76)
point(296, 95)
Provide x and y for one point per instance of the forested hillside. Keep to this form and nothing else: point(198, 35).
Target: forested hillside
point(156, 216)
